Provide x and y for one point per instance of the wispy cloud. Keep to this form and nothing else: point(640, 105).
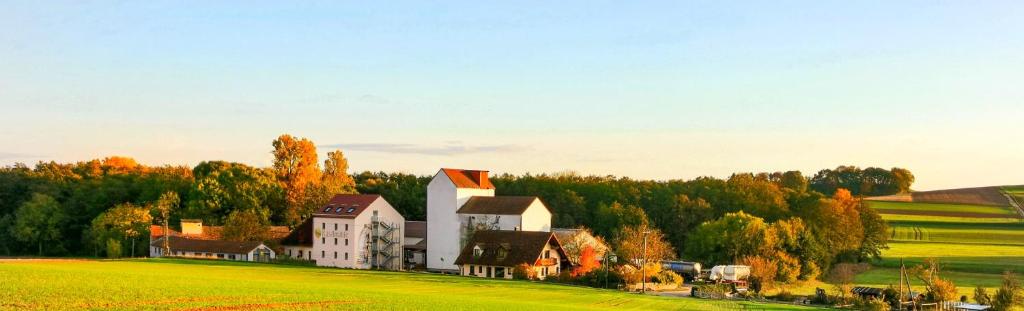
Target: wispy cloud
point(450, 148)
point(13, 156)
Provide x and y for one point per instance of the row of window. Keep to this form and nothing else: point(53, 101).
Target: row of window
point(324, 241)
point(323, 225)
point(323, 254)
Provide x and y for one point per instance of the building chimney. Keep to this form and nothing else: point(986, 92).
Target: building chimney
point(480, 177)
point(192, 227)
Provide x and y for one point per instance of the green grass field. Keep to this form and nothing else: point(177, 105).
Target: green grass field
point(200, 285)
point(951, 209)
point(971, 250)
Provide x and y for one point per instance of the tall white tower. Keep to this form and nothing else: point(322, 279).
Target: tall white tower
point(448, 191)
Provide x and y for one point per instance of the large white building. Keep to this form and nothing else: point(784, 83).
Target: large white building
point(461, 202)
point(359, 231)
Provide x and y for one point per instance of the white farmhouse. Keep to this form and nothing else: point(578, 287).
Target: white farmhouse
point(359, 231)
point(461, 202)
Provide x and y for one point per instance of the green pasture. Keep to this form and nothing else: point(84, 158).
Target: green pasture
point(952, 209)
point(195, 284)
point(972, 251)
point(985, 220)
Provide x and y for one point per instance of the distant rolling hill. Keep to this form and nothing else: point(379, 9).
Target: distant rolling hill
point(988, 196)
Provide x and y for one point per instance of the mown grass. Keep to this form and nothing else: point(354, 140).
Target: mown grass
point(944, 208)
point(963, 257)
point(192, 284)
point(947, 219)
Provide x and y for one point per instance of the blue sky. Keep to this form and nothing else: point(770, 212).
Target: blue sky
point(649, 90)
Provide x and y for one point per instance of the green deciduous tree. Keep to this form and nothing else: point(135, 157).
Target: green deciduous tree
point(246, 225)
point(223, 187)
point(123, 223)
point(39, 220)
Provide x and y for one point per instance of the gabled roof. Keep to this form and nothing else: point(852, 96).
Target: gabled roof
point(521, 247)
point(209, 233)
point(346, 205)
point(476, 179)
point(503, 205)
point(208, 246)
point(301, 236)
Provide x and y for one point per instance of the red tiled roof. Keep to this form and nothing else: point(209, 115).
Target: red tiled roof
point(346, 205)
point(157, 231)
point(468, 178)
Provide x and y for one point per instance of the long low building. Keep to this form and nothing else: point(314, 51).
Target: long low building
point(198, 241)
point(212, 249)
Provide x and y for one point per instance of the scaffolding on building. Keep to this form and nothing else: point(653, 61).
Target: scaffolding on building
point(383, 248)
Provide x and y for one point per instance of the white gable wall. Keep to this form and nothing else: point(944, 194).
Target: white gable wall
point(443, 240)
point(536, 218)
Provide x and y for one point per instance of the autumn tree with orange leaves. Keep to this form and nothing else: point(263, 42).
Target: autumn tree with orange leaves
point(297, 170)
point(588, 262)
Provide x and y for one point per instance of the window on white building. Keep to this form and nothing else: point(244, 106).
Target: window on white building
point(346, 242)
point(346, 227)
point(335, 255)
point(323, 240)
point(335, 241)
point(346, 256)
point(335, 226)
point(323, 254)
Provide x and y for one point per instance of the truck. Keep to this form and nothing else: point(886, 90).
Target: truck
point(729, 274)
point(687, 269)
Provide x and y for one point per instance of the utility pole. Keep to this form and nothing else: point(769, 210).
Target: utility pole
point(643, 266)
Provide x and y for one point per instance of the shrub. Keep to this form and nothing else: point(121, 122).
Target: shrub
point(763, 272)
point(668, 277)
point(1009, 294)
point(565, 277)
point(809, 271)
point(114, 248)
point(597, 278)
point(634, 275)
point(714, 291)
point(942, 290)
point(981, 295)
point(524, 272)
point(870, 304)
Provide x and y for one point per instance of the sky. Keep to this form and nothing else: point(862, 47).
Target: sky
point(651, 90)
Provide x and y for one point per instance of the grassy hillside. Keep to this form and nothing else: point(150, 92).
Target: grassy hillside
point(192, 284)
point(974, 243)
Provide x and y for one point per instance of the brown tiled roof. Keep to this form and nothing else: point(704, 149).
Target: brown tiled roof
point(416, 229)
point(503, 205)
point(521, 246)
point(208, 246)
point(346, 205)
point(468, 178)
point(301, 236)
point(277, 233)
